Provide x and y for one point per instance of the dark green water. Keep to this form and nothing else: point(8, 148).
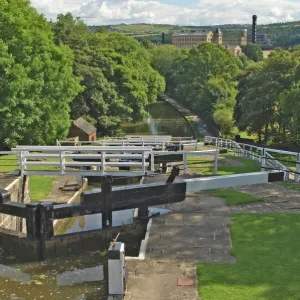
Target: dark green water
point(76, 278)
point(163, 120)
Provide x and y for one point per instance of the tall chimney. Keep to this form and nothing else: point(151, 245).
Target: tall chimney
point(163, 38)
point(254, 20)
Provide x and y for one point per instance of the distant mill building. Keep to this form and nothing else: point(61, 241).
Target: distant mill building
point(190, 39)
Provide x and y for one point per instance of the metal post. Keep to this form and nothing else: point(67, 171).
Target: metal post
point(297, 168)
point(143, 162)
point(116, 269)
point(263, 159)
point(185, 164)
point(106, 188)
point(62, 162)
point(102, 162)
point(152, 161)
point(215, 170)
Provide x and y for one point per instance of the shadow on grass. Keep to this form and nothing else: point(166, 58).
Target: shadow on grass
point(268, 261)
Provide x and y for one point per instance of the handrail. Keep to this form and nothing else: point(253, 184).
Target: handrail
point(265, 156)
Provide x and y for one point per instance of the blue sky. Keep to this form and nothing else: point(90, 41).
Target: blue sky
point(186, 12)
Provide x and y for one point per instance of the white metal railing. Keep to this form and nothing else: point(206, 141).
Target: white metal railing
point(61, 160)
point(156, 141)
point(56, 160)
point(187, 154)
point(259, 154)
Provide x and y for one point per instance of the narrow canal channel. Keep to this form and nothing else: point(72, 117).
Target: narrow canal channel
point(163, 120)
point(82, 277)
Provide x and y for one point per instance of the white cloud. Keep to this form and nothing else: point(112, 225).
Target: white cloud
point(206, 12)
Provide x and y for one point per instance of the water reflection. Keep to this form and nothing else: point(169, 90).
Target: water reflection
point(76, 277)
point(163, 120)
point(80, 276)
point(92, 222)
point(13, 274)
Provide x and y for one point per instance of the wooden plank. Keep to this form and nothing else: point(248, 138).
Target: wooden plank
point(14, 209)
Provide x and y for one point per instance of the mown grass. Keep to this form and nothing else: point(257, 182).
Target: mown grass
point(8, 163)
point(235, 197)
point(247, 166)
point(266, 248)
point(39, 186)
point(287, 160)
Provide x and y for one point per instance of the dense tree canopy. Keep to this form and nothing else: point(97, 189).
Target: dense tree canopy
point(36, 79)
point(203, 79)
point(253, 52)
point(268, 98)
point(116, 74)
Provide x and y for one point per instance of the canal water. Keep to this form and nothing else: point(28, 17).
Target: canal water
point(75, 278)
point(163, 120)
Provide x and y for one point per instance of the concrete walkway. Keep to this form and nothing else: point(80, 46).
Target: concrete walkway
point(196, 231)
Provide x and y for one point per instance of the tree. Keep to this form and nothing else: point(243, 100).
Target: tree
point(163, 57)
point(116, 74)
point(264, 91)
point(253, 52)
point(203, 77)
point(147, 44)
point(36, 80)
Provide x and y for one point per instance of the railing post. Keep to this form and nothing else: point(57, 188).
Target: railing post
point(21, 162)
point(102, 162)
point(233, 147)
point(143, 162)
point(106, 188)
point(215, 170)
point(152, 161)
point(263, 159)
point(184, 163)
point(116, 269)
point(62, 162)
point(297, 168)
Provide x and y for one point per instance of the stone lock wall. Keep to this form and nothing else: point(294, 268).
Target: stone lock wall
point(17, 195)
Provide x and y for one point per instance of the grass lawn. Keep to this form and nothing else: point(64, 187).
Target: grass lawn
point(39, 186)
point(8, 163)
point(247, 166)
point(290, 160)
point(234, 197)
point(266, 247)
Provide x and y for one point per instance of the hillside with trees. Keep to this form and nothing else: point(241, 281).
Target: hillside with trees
point(283, 35)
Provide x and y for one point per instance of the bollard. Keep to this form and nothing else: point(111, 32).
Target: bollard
point(116, 269)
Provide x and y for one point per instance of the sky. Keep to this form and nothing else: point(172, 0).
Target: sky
point(175, 12)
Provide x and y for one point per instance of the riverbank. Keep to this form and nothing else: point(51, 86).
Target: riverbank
point(196, 124)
